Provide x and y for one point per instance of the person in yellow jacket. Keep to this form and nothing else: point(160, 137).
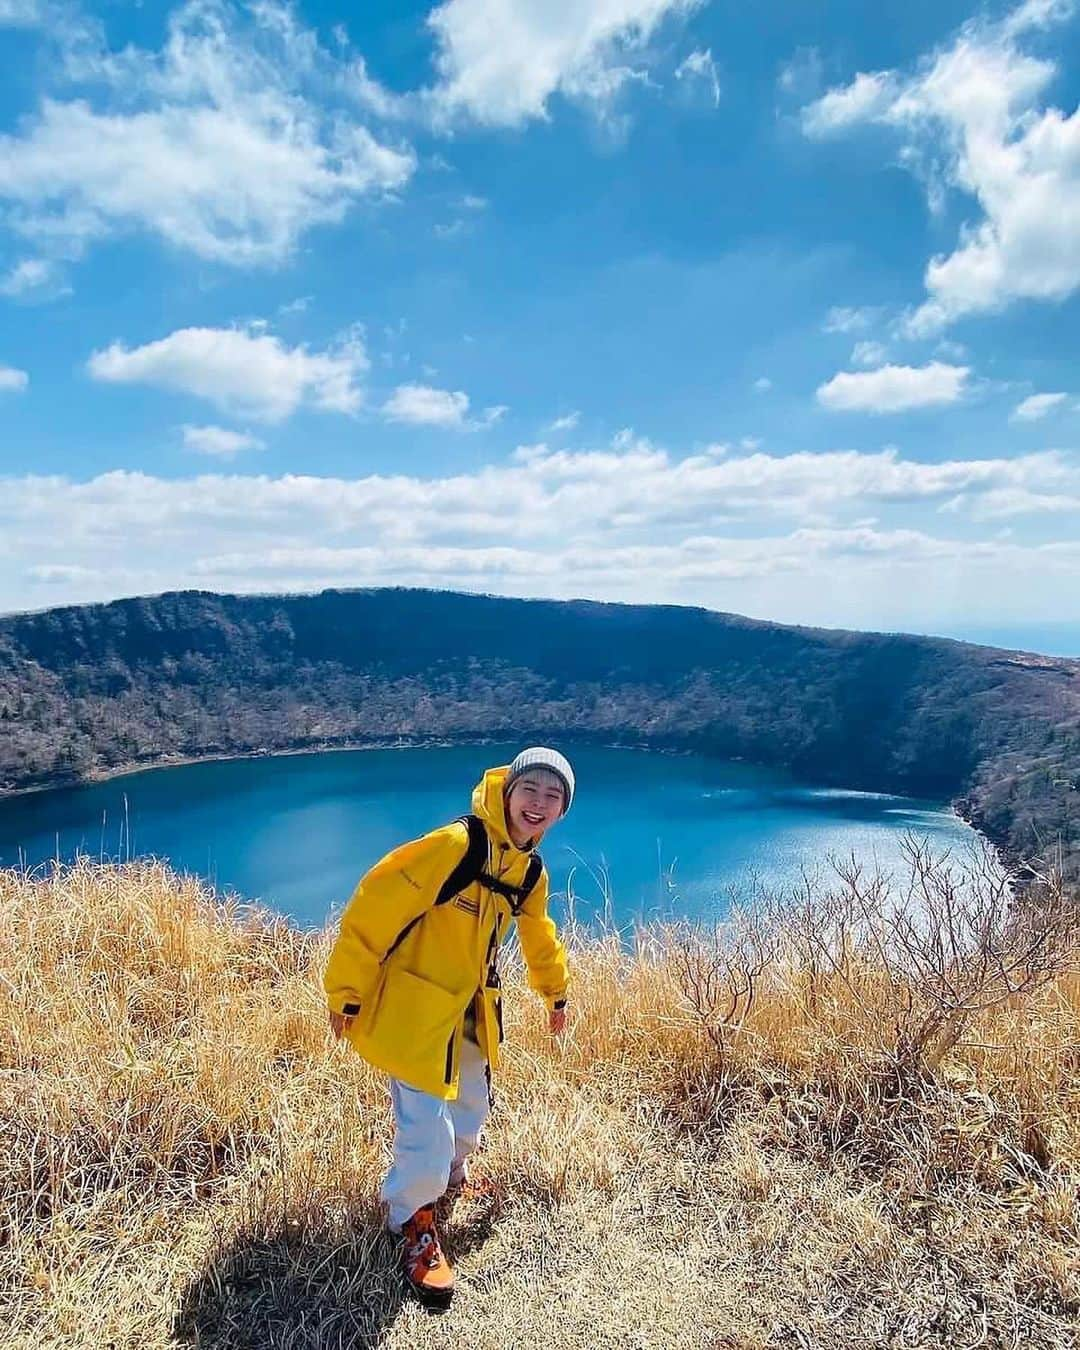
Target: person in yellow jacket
point(412, 983)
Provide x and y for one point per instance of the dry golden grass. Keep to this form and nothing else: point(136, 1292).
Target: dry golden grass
point(188, 1160)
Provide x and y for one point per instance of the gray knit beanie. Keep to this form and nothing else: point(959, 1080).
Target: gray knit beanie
point(540, 757)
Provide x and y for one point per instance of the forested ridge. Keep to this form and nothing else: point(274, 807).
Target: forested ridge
point(86, 690)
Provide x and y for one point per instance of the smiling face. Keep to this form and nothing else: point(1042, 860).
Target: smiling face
point(533, 805)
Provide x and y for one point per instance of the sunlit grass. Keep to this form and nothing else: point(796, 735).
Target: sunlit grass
point(188, 1159)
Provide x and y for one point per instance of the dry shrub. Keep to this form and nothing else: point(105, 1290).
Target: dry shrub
point(924, 1038)
point(892, 974)
point(187, 1159)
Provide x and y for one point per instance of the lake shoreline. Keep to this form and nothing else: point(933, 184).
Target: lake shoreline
point(424, 743)
point(180, 761)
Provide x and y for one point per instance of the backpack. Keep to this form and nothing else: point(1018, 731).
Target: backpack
point(472, 868)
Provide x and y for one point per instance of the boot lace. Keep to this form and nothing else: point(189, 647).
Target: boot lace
point(424, 1249)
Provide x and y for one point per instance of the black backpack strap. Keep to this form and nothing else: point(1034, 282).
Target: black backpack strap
point(471, 865)
point(528, 885)
point(516, 895)
point(464, 873)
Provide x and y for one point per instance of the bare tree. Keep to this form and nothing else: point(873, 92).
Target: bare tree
point(720, 975)
point(905, 966)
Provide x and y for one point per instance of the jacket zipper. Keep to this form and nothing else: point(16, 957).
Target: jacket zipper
point(492, 960)
point(450, 1058)
point(448, 1077)
point(491, 978)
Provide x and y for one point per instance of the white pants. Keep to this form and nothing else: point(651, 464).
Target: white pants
point(433, 1138)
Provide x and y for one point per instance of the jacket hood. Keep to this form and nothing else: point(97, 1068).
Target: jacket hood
point(489, 803)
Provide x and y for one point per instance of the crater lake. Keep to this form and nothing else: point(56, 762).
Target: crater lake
point(650, 835)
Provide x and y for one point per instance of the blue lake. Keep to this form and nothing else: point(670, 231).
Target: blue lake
point(661, 834)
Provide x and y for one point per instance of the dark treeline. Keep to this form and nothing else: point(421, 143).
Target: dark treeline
point(88, 689)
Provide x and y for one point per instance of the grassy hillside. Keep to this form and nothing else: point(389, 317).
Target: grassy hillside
point(87, 690)
point(188, 1160)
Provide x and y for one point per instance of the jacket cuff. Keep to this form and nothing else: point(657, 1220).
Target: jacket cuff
point(348, 1007)
point(556, 1003)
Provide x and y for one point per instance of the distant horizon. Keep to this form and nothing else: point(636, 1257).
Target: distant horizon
point(1055, 639)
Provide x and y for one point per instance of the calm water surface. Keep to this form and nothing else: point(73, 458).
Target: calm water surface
point(663, 833)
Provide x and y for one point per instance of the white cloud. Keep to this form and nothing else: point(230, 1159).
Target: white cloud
point(249, 373)
point(61, 574)
point(368, 92)
point(699, 69)
point(226, 143)
point(500, 61)
point(219, 441)
point(541, 492)
point(867, 97)
point(826, 533)
point(973, 120)
point(762, 384)
point(801, 76)
point(698, 558)
point(894, 388)
point(421, 405)
point(1008, 503)
point(849, 319)
point(21, 13)
point(13, 381)
point(1036, 14)
point(869, 353)
point(567, 422)
point(1036, 406)
point(31, 276)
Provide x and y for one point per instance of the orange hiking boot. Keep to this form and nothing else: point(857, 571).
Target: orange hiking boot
point(426, 1268)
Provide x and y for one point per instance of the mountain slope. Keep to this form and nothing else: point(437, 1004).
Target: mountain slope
point(85, 690)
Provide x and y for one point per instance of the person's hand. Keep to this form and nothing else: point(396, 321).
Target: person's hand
point(339, 1024)
point(557, 1021)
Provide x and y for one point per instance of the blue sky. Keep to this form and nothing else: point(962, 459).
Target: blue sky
point(633, 299)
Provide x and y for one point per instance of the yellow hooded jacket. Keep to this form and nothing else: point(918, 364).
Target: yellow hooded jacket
point(413, 996)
